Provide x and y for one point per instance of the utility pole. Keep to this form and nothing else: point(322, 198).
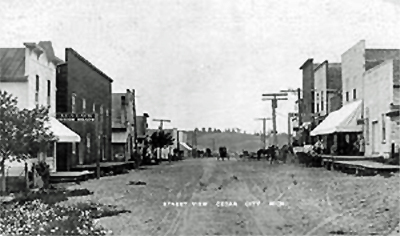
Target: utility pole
point(194, 150)
point(177, 142)
point(264, 137)
point(161, 122)
point(274, 97)
point(290, 115)
point(299, 102)
point(134, 120)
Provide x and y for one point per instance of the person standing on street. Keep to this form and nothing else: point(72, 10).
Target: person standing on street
point(361, 146)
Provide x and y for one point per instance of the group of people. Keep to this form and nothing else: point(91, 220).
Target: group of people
point(345, 148)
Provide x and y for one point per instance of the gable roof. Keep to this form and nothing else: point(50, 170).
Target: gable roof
point(12, 64)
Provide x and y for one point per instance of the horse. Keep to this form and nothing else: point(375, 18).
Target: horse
point(223, 153)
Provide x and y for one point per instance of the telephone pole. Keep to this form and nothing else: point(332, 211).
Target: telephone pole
point(264, 131)
point(299, 102)
point(162, 122)
point(134, 120)
point(194, 144)
point(274, 97)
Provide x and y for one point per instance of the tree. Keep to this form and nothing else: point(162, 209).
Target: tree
point(161, 139)
point(210, 130)
point(203, 130)
point(23, 133)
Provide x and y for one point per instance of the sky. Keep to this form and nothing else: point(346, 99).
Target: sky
point(203, 63)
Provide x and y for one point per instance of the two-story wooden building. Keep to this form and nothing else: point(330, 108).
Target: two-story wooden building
point(29, 73)
point(83, 88)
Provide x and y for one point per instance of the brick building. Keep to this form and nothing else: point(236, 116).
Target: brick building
point(83, 88)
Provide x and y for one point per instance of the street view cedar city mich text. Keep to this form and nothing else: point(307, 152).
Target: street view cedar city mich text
point(217, 204)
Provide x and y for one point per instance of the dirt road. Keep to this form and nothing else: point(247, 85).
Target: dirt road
point(210, 197)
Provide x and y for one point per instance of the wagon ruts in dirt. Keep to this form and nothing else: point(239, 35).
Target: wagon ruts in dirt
point(223, 153)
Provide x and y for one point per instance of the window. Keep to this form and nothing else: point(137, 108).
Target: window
point(73, 101)
point(317, 101)
point(37, 91)
point(322, 100)
point(317, 107)
point(48, 92)
point(354, 94)
point(383, 129)
point(88, 144)
point(101, 109)
point(94, 108)
point(107, 113)
point(347, 96)
point(83, 105)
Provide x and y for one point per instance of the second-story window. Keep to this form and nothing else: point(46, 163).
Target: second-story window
point(37, 91)
point(347, 96)
point(94, 108)
point(322, 100)
point(48, 92)
point(383, 128)
point(354, 94)
point(317, 102)
point(83, 105)
point(73, 103)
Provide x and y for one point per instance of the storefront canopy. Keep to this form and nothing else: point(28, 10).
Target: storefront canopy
point(186, 146)
point(62, 132)
point(341, 121)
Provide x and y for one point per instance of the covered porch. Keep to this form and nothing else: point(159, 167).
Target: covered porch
point(339, 130)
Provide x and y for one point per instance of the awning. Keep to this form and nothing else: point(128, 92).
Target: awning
point(62, 132)
point(185, 146)
point(341, 121)
point(119, 137)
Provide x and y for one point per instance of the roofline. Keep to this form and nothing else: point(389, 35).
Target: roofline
point(14, 79)
point(384, 62)
point(320, 65)
point(87, 62)
point(306, 62)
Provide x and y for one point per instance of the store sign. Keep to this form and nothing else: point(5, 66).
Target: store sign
point(75, 116)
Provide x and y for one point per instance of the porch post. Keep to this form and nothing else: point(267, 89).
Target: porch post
point(54, 157)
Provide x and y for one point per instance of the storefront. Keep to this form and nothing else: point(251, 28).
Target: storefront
point(340, 129)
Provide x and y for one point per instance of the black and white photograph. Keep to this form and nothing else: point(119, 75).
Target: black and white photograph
point(200, 117)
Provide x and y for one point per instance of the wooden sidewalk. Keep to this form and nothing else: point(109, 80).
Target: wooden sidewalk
point(361, 165)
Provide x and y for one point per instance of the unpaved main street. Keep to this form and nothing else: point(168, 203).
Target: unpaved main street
point(210, 197)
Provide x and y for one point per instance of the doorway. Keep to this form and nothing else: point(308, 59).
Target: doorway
point(374, 136)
